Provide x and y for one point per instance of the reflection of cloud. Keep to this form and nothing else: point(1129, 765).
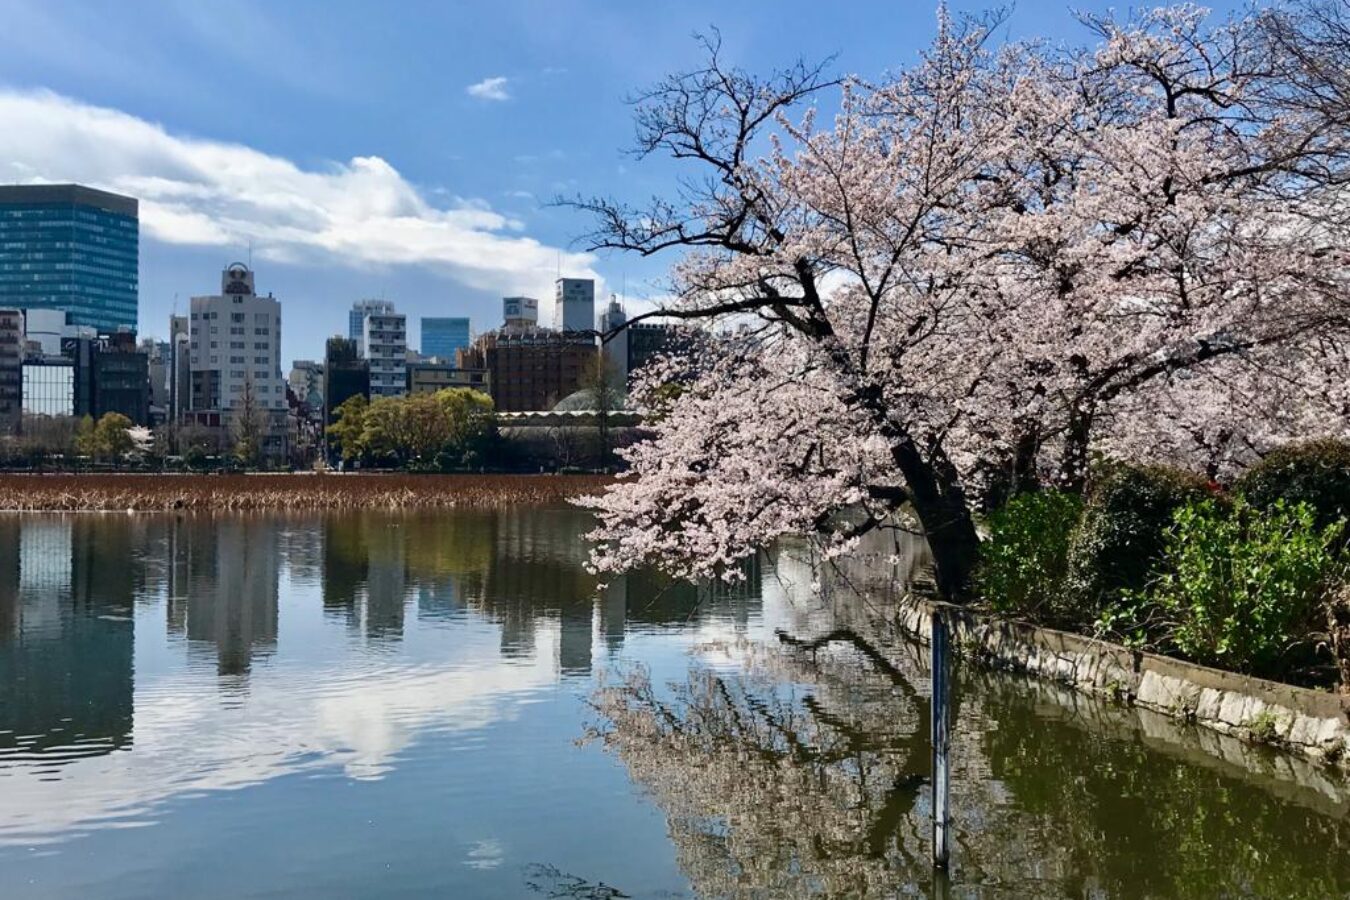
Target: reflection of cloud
point(289, 721)
point(485, 854)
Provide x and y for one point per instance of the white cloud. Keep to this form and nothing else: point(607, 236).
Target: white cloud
point(361, 213)
point(489, 89)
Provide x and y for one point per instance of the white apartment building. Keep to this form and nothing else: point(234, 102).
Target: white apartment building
point(235, 350)
point(384, 339)
point(356, 319)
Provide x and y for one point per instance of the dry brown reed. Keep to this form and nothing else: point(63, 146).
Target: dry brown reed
point(300, 491)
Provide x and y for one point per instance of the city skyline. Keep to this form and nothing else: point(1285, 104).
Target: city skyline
point(244, 127)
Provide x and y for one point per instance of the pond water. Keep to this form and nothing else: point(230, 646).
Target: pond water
point(371, 705)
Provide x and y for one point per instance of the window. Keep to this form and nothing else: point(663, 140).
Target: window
point(236, 317)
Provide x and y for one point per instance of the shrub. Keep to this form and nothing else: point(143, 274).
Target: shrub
point(1241, 587)
point(1119, 537)
point(1316, 473)
point(1023, 564)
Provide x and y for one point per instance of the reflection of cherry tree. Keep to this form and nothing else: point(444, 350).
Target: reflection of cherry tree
point(774, 790)
point(804, 773)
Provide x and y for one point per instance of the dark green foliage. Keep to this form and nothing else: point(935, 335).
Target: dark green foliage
point(1316, 473)
point(1237, 587)
point(1119, 538)
point(1024, 562)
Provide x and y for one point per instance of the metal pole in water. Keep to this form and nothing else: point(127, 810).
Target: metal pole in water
point(941, 723)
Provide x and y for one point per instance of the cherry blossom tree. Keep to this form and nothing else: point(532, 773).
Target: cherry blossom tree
point(986, 268)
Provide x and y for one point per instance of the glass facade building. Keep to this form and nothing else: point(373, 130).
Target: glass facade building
point(49, 388)
point(71, 248)
point(442, 337)
point(356, 319)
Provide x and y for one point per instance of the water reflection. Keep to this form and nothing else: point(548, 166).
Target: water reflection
point(804, 770)
point(396, 698)
point(66, 629)
point(222, 590)
point(195, 639)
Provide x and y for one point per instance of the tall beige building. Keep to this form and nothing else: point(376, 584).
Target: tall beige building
point(235, 358)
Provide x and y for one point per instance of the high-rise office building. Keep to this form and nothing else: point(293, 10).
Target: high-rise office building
point(385, 342)
point(441, 337)
point(235, 353)
point(574, 304)
point(180, 379)
point(615, 349)
point(70, 248)
point(111, 376)
point(356, 319)
point(160, 360)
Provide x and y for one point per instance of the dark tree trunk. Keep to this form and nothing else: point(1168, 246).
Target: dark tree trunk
point(935, 492)
point(1025, 478)
point(940, 504)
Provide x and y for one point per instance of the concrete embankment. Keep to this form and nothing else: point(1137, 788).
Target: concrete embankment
point(1314, 724)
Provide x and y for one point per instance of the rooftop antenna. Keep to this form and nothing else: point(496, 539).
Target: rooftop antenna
point(250, 254)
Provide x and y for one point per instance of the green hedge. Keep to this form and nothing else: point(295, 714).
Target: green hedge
point(1237, 587)
point(1121, 533)
point(1316, 473)
point(1024, 561)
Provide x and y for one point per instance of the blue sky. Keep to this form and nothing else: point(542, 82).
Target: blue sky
point(347, 142)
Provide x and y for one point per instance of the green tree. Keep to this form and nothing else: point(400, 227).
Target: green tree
point(471, 422)
point(106, 439)
point(348, 428)
point(85, 442)
point(426, 427)
point(386, 433)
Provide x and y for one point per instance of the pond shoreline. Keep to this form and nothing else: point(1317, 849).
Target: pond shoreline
point(170, 492)
point(1311, 723)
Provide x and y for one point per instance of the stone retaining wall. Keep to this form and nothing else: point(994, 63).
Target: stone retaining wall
point(1313, 723)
